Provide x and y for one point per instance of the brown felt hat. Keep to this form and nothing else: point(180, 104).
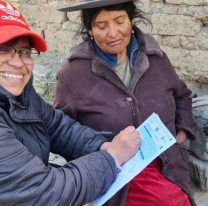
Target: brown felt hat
point(87, 4)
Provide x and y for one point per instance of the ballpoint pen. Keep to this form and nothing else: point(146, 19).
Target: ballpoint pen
point(106, 133)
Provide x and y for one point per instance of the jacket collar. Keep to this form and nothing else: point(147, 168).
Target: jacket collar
point(112, 59)
point(24, 98)
point(6, 98)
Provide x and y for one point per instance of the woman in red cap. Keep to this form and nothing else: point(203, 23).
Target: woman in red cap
point(30, 128)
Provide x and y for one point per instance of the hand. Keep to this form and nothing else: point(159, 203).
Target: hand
point(125, 145)
point(105, 146)
point(181, 136)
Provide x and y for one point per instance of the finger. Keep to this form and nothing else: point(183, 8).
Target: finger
point(128, 130)
point(136, 139)
point(133, 136)
point(136, 143)
point(179, 141)
point(137, 146)
point(177, 137)
point(116, 136)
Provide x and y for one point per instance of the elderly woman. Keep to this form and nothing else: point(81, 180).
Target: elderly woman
point(31, 128)
point(118, 76)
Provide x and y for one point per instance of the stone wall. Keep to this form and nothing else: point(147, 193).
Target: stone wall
point(180, 27)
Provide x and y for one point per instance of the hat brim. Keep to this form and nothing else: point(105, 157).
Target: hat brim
point(91, 4)
point(9, 32)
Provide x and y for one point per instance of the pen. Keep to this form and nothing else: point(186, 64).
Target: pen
point(106, 133)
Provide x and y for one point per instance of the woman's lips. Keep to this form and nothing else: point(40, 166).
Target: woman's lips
point(112, 43)
point(14, 78)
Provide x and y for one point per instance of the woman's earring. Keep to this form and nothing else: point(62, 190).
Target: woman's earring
point(132, 31)
point(91, 37)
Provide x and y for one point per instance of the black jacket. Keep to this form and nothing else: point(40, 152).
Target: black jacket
point(29, 129)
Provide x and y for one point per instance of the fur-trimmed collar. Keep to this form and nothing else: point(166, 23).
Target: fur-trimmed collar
point(147, 44)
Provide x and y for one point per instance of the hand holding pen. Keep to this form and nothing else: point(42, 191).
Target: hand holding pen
point(124, 145)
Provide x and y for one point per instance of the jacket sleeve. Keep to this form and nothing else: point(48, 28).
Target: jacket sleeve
point(25, 180)
point(68, 137)
point(183, 101)
point(64, 91)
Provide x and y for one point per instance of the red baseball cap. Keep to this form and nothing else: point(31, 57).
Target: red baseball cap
point(12, 25)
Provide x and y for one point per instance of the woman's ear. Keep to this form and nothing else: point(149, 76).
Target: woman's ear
point(90, 32)
point(132, 22)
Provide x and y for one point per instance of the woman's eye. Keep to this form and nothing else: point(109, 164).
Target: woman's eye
point(120, 22)
point(26, 52)
point(101, 27)
point(3, 49)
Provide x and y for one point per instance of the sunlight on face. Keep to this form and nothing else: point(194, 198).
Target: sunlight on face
point(15, 75)
point(112, 31)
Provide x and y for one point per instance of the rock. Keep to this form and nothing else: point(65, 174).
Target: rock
point(41, 78)
point(198, 89)
point(200, 146)
point(200, 197)
point(206, 9)
point(151, 10)
point(188, 2)
point(15, 3)
point(165, 24)
point(198, 170)
point(190, 65)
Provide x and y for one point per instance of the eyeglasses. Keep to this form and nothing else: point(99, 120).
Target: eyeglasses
point(27, 55)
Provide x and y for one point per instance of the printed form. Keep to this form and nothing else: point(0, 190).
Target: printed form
point(155, 139)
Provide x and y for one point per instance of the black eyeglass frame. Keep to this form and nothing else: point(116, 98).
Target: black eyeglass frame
point(19, 51)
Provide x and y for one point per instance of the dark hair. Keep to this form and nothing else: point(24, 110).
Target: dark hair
point(15, 41)
point(88, 16)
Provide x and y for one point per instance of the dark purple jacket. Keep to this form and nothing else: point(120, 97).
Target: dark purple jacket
point(89, 91)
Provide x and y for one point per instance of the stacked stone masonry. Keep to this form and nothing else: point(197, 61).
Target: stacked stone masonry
point(179, 26)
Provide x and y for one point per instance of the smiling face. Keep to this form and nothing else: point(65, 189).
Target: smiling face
point(14, 75)
point(112, 31)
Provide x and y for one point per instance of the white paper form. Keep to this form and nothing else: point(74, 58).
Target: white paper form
point(155, 139)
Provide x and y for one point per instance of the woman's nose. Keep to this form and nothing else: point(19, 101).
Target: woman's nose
point(16, 61)
point(113, 32)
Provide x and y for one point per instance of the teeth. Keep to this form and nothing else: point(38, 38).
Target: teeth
point(11, 76)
